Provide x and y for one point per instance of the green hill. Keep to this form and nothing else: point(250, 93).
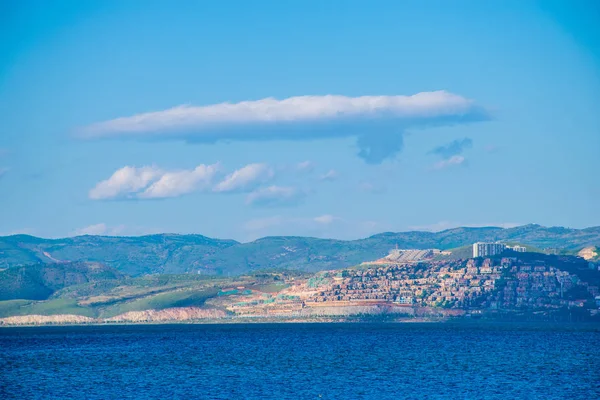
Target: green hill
point(176, 254)
point(39, 281)
point(109, 297)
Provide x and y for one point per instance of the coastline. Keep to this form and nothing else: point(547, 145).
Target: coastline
point(449, 322)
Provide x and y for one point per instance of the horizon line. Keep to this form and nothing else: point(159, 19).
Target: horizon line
point(294, 236)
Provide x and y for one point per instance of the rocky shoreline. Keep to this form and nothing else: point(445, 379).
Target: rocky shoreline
point(194, 315)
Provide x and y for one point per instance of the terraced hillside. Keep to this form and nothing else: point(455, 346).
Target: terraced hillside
point(117, 295)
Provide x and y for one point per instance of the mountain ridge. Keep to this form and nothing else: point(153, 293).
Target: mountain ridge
point(195, 253)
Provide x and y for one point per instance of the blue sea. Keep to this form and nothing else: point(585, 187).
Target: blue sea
point(301, 361)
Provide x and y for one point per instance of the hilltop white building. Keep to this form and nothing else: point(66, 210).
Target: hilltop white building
point(517, 248)
point(487, 249)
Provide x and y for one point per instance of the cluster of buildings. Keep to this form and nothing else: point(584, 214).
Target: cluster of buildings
point(412, 280)
point(438, 284)
point(536, 287)
point(485, 284)
point(481, 249)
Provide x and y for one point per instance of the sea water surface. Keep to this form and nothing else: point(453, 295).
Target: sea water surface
point(300, 361)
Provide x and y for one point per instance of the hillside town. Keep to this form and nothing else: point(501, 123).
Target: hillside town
point(407, 281)
point(494, 281)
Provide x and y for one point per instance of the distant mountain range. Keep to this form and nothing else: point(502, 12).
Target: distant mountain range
point(170, 253)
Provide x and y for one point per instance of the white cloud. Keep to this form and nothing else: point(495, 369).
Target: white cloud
point(124, 182)
point(378, 122)
point(444, 225)
point(153, 182)
point(450, 162)
point(275, 196)
point(325, 219)
point(307, 166)
point(330, 175)
point(177, 183)
point(3, 171)
point(245, 178)
point(293, 109)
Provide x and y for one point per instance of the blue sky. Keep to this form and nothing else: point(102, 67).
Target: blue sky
point(331, 119)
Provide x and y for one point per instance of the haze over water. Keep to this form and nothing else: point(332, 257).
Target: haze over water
point(301, 361)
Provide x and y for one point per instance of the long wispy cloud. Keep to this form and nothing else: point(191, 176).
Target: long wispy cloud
point(378, 122)
point(152, 182)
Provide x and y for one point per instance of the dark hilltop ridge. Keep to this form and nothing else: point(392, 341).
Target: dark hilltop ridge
point(176, 254)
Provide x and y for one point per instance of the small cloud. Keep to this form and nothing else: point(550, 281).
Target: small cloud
point(371, 187)
point(453, 148)
point(275, 196)
point(246, 178)
point(450, 153)
point(330, 175)
point(491, 148)
point(325, 219)
point(125, 182)
point(3, 172)
point(177, 183)
point(451, 162)
point(305, 166)
point(151, 182)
